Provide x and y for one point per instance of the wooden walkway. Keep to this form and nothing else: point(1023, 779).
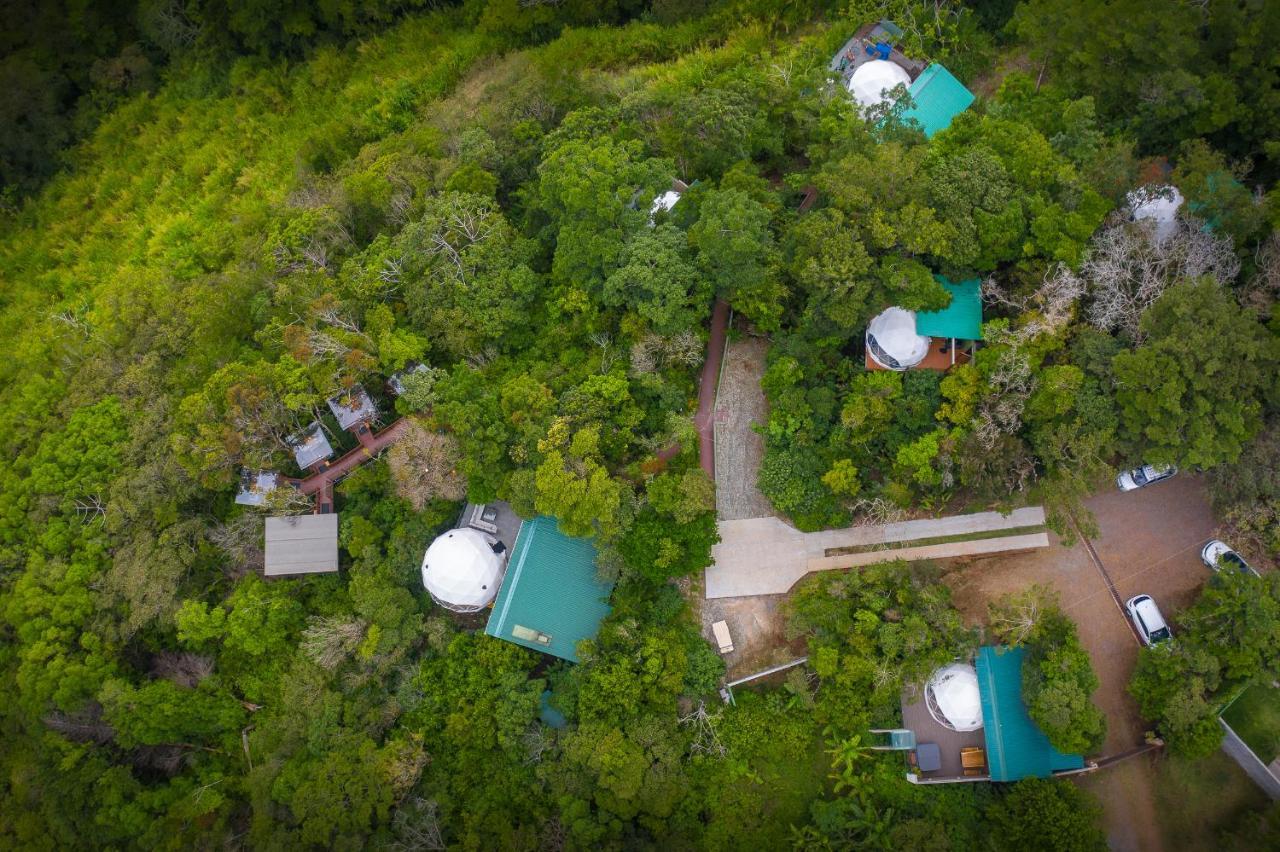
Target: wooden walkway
point(372, 443)
point(704, 420)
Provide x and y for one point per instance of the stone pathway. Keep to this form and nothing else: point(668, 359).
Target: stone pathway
point(766, 556)
point(739, 449)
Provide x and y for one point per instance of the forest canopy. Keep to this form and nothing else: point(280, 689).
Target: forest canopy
point(218, 215)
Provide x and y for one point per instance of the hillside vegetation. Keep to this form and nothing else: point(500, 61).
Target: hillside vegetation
point(300, 202)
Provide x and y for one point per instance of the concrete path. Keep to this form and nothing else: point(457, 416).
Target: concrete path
point(766, 556)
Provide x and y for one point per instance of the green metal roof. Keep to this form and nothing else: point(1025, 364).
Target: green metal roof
point(962, 319)
point(1016, 748)
point(938, 98)
point(550, 589)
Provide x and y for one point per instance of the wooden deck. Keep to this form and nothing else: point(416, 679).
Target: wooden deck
point(915, 717)
point(939, 358)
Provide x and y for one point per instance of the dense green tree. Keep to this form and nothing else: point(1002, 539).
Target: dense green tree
point(656, 279)
point(1046, 814)
point(1193, 391)
point(735, 248)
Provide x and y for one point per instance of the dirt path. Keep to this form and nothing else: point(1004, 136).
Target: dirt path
point(1129, 814)
point(739, 449)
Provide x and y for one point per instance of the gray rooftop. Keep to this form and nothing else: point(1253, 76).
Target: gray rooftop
point(353, 407)
point(310, 446)
point(302, 544)
point(255, 486)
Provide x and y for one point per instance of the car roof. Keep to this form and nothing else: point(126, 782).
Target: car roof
point(1149, 613)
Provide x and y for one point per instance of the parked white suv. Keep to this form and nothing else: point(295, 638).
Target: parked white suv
point(1217, 555)
point(1146, 475)
point(1147, 618)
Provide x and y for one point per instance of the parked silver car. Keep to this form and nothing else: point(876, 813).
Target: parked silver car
point(1146, 475)
point(1146, 617)
point(1217, 556)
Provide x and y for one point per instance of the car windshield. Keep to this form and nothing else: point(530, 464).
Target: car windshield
point(1232, 558)
point(1140, 476)
point(1159, 635)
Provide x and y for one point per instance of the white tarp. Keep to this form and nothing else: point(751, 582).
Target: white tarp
point(954, 694)
point(894, 331)
point(872, 80)
point(461, 571)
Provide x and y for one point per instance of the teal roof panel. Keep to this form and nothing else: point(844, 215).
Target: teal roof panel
point(962, 319)
point(550, 598)
point(1016, 748)
point(938, 97)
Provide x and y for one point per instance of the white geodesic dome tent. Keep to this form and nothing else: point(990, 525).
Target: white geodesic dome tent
point(953, 698)
point(461, 571)
point(893, 342)
point(1158, 205)
point(872, 81)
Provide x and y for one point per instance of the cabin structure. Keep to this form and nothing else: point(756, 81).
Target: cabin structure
point(663, 202)
point(971, 724)
point(311, 448)
point(301, 544)
point(395, 382)
point(551, 598)
point(871, 67)
point(1157, 204)
point(462, 569)
point(937, 97)
point(899, 339)
point(353, 408)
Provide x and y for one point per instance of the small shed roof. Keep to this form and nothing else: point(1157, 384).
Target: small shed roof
point(962, 319)
point(396, 380)
point(353, 407)
point(550, 598)
point(255, 486)
point(1016, 748)
point(301, 544)
point(310, 446)
point(938, 97)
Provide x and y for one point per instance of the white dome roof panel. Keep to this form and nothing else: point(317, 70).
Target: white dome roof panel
point(461, 571)
point(954, 696)
point(872, 80)
point(894, 333)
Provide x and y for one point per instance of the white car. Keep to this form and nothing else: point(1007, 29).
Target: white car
point(1147, 618)
point(1146, 475)
point(1217, 555)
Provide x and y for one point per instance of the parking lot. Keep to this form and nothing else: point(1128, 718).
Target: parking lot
point(1149, 543)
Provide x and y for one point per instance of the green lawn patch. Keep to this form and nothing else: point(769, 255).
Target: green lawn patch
point(937, 539)
point(1197, 799)
point(1255, 716)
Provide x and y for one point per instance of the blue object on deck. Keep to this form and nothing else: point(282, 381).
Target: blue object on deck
point(928, 757)
point(883, 49)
